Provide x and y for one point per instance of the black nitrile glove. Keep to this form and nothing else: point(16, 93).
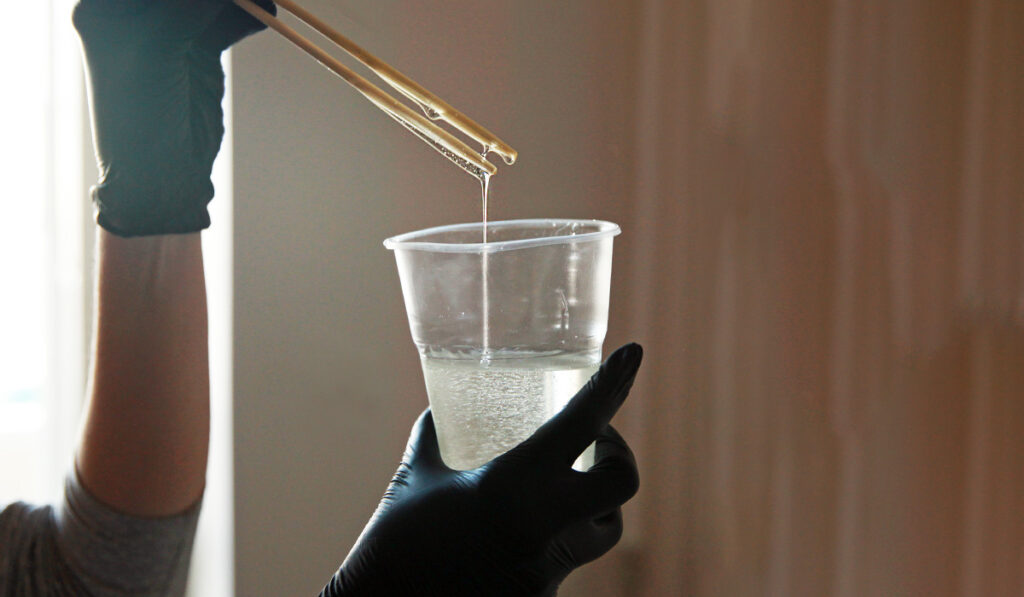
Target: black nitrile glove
point(155, 91)
point(516, 526)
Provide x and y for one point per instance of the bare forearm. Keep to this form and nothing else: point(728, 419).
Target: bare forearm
point(144, 444)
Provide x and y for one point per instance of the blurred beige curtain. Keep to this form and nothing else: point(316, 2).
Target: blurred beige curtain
point(830, 286)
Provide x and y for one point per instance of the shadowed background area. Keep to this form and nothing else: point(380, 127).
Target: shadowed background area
point(823, 253)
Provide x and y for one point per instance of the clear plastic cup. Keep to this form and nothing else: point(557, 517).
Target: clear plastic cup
point(509, 330)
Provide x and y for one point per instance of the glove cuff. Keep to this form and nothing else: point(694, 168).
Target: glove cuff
point(130, 208)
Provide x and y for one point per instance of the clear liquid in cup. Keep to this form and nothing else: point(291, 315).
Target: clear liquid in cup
point(485, 405)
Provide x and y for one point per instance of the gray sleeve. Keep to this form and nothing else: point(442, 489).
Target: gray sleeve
point(115, 555)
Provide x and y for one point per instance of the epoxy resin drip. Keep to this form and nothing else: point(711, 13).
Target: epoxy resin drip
point(485, 357)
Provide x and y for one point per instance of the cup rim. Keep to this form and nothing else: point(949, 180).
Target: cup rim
point(407, 241)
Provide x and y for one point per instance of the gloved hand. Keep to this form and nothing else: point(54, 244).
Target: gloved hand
point(516, 526)
point(155, 91)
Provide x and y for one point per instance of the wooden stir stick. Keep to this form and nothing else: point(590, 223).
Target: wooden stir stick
point(443, 141)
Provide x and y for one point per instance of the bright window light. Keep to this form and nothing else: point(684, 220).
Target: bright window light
point(41, 257)
point(23, 157)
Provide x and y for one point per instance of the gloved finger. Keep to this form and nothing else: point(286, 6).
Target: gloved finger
point(423, 451)
point(569, 432)
point(234, 24)
point(184, 19)
point(98, 21)
point(588, 540)
point(135, 8)
point(611, 482)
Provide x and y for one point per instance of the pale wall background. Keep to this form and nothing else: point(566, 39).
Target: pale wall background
point(823, 253)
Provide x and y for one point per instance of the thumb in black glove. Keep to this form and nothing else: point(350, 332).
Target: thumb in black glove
point(516, 526)
point(155, 91)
